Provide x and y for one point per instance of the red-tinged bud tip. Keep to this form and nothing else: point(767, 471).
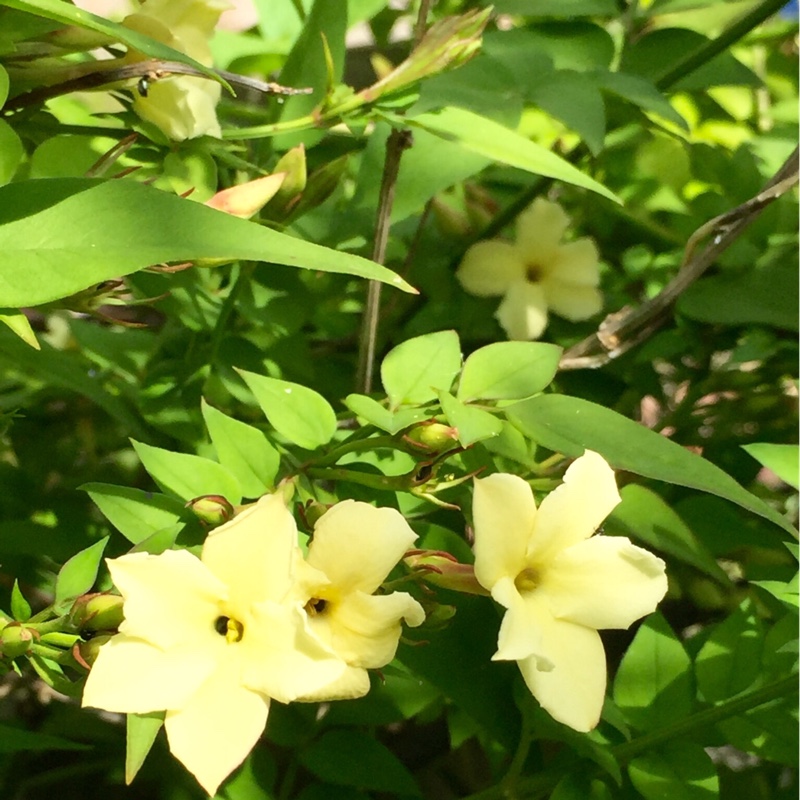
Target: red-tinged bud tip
point(212, 509)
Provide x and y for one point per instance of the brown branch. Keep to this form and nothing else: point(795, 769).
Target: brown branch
point(148, 71)
point(624, 329)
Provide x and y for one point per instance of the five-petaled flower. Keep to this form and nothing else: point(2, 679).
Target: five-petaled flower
point(536, 273)
point(210, 640)
point(184, 106)
point(354, 547)
point(560, 583)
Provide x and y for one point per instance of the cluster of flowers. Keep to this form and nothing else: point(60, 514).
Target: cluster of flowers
point(213, 640)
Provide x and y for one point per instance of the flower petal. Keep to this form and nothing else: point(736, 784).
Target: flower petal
point(575, 263)
point(572, 691)
point(364, 629)
point(282, 658)
point(489, 268)
point(539, 231)
point(253, 553)
point(182, 108)
point(604, 582)
point(357, 545)
point(213, 733)
point(353, 683)
point(134, 677)
point(523, 311)
point(503, 513)
point(170, 599)
point(574, 303)
point(520, 635)
point(575, 510)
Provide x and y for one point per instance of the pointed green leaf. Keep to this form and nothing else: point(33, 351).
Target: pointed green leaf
point(730, 660)
point(141, 732)
point(78, 575)
point(782, 459)
point(413, 371)
point(472, 424)
point(244, 450)
point(19, 323)
point(508, 371)
point(59, 236)
point(679, 770)
point(300, 414)
point(187, 476)
point(644, 516)
point(378, 415)
point(20, 607)
point(571, 425)
point(653, 686)
point(68, 14)
point(355, 758)
point(134, 513)
point(14, 740)
point(501, 144)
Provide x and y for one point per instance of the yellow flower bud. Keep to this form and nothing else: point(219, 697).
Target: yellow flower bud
point(15, 640)
point(96, 612)
point(213, 509)
point(444, 570)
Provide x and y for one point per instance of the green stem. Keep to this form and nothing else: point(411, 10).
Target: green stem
point(390, 483)
point(716, 46)
point(57, 624)
point(355, 446)
point(542, 784)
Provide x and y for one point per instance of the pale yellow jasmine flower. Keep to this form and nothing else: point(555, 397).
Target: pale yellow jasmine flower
point(536, 274)
point(353, 549)
point(211, 640)
point(183, 106)
point(560, 583)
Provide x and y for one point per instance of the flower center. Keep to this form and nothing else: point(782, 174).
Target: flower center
point(316, 606)
point(527, 580)
point(231, 629)
point(533, 273)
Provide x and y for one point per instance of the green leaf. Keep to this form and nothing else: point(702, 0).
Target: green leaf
point(300, 414)
point(68, 14)
point(20, 607)
point(643, 515)
point(729, 662)
point(354, 758)
point(580, 786)
point(20, 325)
point(412, 372)
point(472, 424)
point(15, 740)
point(78, 575)
point(508, 371)
point(378, 415)
point(244, 450)
point(134, 513)
point(640, 92)
point(59, 236)
point(11, 151)
point(141, 732)
point(501, 144)
point(4, 83)
point(763, 296)
point(782, 459)
point(681, 769)
point(571, 425)
point(187, 476)
point(307, 64)
point(653, 686)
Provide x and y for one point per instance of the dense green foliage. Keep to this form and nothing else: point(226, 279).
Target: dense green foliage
point(155, 350)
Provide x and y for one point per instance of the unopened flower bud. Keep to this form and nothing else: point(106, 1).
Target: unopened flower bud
point(213, 509)
point(312, 512)
point(85, 653)
point(248, 198)
point(15, 640)
point(432, 436)
point(97, 612)
point(444, 570)
point(438, 616)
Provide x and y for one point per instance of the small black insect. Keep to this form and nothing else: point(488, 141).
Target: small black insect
point(143, 87)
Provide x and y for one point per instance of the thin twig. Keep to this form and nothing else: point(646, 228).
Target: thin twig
point(624, 329)
point(151, 71)
point(397, 142)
